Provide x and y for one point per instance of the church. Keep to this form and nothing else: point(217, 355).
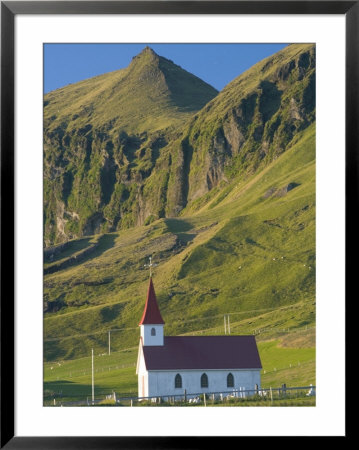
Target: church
point(172, 365)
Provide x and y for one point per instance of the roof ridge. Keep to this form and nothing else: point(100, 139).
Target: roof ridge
point(213, 335)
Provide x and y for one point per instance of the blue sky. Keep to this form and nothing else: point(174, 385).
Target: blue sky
point(217, 64)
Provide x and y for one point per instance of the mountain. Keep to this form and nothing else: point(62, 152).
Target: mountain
point(251, 122)
point(129, 147)
point(106, 132)
point(151, 94)
point(224, 201)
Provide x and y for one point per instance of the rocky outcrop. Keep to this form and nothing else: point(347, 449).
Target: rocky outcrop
point(255, 128)
point(281, 192)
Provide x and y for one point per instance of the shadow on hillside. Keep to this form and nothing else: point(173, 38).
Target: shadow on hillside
point(103, 244)
point(64, 250)
point(178, 225)
point(65, 388)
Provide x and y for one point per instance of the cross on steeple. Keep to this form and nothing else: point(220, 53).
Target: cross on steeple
point(150, 265)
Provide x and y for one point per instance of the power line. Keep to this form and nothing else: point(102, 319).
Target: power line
point(260, 331)
point(74, 336)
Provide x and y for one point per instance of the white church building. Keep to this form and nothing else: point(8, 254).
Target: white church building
point(172, 365)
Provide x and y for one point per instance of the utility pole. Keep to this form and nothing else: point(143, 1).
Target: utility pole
point(109, 342)
point(227, 328)
point(93, 382)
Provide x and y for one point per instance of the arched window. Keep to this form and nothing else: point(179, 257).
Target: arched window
point(204, 381)
point(230, 380)
point(178, 381)
point(153, 331)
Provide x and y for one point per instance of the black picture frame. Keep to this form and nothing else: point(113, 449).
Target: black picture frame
point(9, 9)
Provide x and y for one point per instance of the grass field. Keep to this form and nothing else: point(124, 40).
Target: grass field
point(71, 380)
point(288, 400)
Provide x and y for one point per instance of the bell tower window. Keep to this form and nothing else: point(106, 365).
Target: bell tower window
point(153, 331)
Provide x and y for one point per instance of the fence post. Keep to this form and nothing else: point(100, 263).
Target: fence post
point(185, 395)
point(284, 389)
point(204, 399)
point(131, 402)
point(271, 394)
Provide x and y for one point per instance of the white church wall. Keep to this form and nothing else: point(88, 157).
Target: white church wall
point(162, 383)
point(143, 385)
point(148, 338)
point(142, 377)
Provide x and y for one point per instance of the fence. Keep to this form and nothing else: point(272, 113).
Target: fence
point(211, 398)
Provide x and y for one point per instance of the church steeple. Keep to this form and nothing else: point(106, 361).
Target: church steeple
point(151, 323)
point(151, 314)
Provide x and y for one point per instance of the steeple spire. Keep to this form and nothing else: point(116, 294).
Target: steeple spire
point(151, 314)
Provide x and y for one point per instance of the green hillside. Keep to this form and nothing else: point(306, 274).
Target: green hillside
point(151, 94)
point(101, 133)
point(224, 202)
point(255, 252)
point(130, 147)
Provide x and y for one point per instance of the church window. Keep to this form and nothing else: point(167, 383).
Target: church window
point(178, 381)
point(153, 332)
point(230, 380)
point(204, 381)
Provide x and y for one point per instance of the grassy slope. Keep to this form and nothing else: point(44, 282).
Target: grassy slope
point(140, 98)
point(108, 290)
point(103, 138)
point(263, 109)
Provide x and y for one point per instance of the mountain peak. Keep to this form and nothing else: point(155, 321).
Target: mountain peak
point(148, 50)
point(151, 87)
point(147, 55)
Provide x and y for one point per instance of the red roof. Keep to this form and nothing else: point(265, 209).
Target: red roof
point(151, 315)
point(203, 353)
